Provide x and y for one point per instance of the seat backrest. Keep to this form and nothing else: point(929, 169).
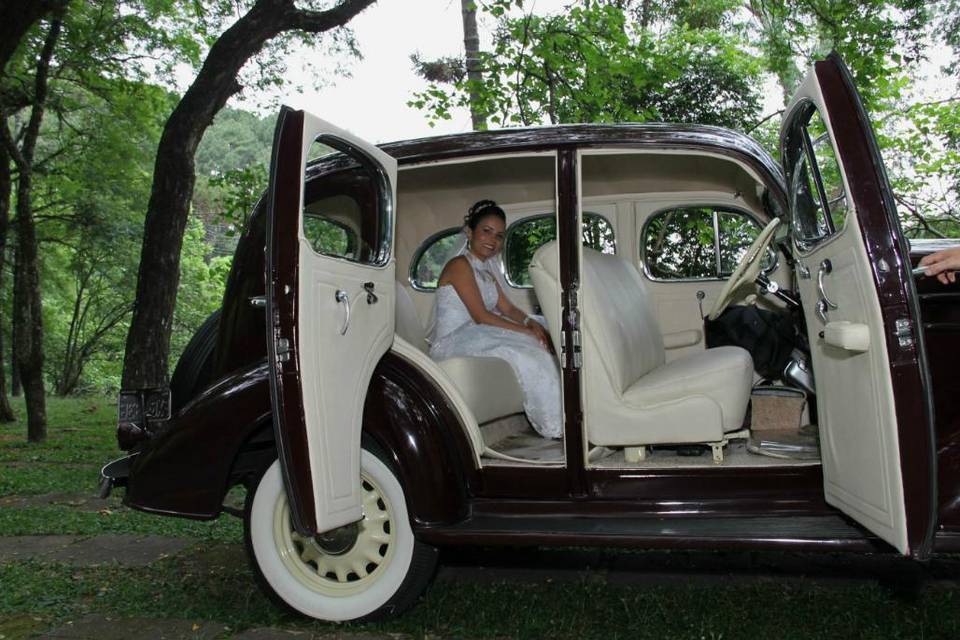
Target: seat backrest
point(544, 273)
point(619, 318)
point(408, 324)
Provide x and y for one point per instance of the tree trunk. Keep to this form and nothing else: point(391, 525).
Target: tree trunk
point(28, 306)
point(471, 46)
point(6, 411)
point(148, 341)
point(16, 18)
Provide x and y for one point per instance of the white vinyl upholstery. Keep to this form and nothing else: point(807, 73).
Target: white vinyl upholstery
point(487, 385)
point(633, 397)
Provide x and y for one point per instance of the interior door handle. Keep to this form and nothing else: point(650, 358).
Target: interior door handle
point(344, 298)
point(825, 268)
point(371, 296)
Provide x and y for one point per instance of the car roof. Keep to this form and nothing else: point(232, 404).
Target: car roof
point(653, 135)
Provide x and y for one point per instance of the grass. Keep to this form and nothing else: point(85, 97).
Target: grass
point(211, 583)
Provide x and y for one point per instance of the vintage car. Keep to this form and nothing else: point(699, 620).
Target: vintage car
point(312, 387)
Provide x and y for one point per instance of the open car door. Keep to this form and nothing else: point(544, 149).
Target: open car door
point(875, 413)
point(330, 309)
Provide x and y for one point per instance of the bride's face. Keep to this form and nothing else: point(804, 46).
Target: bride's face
point(487, 239)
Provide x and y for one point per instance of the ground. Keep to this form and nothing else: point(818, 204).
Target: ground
point(73, 566)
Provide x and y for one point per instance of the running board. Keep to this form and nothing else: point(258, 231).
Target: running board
point(790, 532)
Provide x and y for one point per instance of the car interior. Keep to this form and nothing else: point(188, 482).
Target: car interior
point(662, 233)
point(682, 365)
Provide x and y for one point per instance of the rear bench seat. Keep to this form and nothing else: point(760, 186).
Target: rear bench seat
point(488, 385)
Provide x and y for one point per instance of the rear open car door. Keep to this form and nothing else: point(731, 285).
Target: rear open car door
point(330, 309)
point(862, 316)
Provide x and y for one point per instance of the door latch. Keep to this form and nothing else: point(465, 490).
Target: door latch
point(371, 296)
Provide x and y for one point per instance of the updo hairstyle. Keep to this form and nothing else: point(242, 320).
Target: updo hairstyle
point(481, 210)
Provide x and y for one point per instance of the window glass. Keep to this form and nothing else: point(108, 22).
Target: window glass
point(526, 236)
point(681, 243)
point(817, 198)
point(429, 260)
point(346, 214)
point(737, 233)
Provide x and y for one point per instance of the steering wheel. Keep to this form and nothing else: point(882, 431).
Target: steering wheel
point(746, 271)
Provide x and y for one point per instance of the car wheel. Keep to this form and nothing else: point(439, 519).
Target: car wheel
point(365, 571)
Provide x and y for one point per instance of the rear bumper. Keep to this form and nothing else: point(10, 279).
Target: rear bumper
point(115, 474)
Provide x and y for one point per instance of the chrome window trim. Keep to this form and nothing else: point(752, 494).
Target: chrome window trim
point(716, 240)
point(418, 253)
point(804, 245)
point(380, 256)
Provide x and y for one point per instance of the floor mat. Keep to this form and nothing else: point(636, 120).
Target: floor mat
point(734, 455)
point(530, 446)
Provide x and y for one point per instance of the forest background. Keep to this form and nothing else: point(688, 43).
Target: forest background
point(87, 92)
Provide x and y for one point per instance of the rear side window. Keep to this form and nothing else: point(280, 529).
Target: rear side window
point(525, 236)
point(698, 243)
point(429, 259)
point(818, 200)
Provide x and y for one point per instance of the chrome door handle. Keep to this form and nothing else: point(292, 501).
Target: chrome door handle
point(821, 310)
point(344, 299)
point(258, 302)
point(825, 268)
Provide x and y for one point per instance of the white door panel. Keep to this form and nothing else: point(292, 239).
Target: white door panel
point(859, 434)
point(322, 360)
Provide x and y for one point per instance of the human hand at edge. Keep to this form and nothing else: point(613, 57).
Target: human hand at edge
point(538, 332)
point(942, 264)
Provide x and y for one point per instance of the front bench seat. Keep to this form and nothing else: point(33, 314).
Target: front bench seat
point(488, 385)
point(633, 397)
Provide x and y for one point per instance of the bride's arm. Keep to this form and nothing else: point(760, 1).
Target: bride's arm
point(510, 310)
point(459, 273)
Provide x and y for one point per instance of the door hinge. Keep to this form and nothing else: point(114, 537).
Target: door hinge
point(577, 351)
point(904, 332)
point(283, 349)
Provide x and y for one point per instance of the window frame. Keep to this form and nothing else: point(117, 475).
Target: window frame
point(804, 147)
point(715, 223)
point(353, 157)
point(432, 239)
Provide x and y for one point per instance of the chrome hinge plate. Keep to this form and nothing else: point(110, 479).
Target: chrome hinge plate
point(577, 351)
point(904, 332)
point(283, 349)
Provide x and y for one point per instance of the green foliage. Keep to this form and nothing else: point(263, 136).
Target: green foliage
point(591, 64)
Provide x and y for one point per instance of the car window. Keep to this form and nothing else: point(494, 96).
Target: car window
point(345, 215)
point(525, 236)
point(818, 200)
point(429, 259)
point(695, 243)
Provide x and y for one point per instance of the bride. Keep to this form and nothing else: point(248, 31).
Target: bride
point(473, 317)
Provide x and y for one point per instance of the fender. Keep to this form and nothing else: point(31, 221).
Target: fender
point(185, 471)
point(188, 468)
point(413, 423)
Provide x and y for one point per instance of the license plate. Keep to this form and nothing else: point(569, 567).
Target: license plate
point(136, 407)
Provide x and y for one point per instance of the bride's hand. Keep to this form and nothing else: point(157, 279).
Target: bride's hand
point(540, 334)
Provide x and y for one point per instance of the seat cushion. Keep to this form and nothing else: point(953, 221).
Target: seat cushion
point(488, 386)
point(723, 374)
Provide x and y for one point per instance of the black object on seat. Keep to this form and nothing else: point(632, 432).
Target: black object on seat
point(769, 336)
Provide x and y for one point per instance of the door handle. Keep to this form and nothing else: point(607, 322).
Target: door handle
point(825, 268)
point(371, 296)
point(344, 298)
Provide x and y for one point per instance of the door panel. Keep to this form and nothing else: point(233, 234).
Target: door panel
point(330, 296)
point(875, 417)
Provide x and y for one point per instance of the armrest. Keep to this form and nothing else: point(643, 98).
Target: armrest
point(681, 339)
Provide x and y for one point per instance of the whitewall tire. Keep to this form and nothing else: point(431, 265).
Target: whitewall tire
point(370, 570)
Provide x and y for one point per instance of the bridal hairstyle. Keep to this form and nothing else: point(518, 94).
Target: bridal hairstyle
point(481, 210)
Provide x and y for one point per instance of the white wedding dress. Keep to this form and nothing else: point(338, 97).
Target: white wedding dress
point(456, 334)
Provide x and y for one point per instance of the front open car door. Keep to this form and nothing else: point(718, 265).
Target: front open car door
point(330, 309)
point(860, 306)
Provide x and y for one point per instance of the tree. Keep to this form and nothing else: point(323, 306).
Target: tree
point(471, 47)
point(591, 64)
point(28, 318)
point(148, 341)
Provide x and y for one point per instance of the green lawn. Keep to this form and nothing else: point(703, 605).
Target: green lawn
point(212, 583)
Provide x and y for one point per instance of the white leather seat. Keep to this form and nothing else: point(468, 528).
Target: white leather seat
point(487, 385)
point(633, 396)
